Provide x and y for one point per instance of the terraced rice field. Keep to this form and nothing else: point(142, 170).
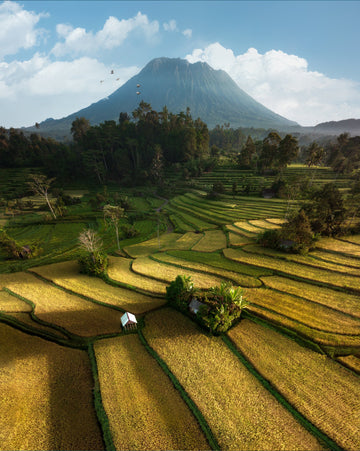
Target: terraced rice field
point(343, 302)
point(235, 278)
point(67, 275)
point(213, 240)
point(144, 409)
point(119, 269)
point(294, 269)
point(307, 260)
point(46, 397)
point(161, 271)
point(150, 246)
point(53, 305)
point(326, 393)
point(351, 361)
point(10, 304)
point(314, 299)
point(341, 246)
point(311, 314)
point(240, 412)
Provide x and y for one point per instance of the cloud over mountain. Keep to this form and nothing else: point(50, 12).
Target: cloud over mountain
point(285, 84)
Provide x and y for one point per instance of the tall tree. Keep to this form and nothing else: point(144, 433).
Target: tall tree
point(40, 185)
point(287, 151)
point(112, 216)
point(79, 128)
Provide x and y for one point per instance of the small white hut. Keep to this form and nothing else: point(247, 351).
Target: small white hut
point(128, 321)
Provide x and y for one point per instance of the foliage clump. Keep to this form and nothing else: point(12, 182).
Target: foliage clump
point(180, 292)
point(93, 261)
point(295, 236)
point(218, 308)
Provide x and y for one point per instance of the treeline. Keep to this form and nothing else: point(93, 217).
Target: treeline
point(131, 151)
point(136, 149)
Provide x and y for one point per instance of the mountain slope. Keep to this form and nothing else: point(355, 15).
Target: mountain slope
point(210, 94)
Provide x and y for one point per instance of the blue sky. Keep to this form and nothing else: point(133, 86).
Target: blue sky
point(298, 58)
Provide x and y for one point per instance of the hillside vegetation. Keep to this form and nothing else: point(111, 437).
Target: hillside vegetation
point(260, 236)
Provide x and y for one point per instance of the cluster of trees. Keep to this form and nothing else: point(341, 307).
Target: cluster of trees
point(137, 148)
point(273, 154)
point(344, 154)
point(326, 213)
point(219, 307)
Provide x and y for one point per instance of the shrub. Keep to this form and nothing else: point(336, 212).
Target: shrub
point(180, 292)
point(93, 264)
point(129, 230)
point(222, 306)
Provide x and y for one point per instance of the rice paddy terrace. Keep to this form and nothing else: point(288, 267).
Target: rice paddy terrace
point(286, 376)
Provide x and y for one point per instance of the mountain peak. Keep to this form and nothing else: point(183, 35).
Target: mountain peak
point(210, 94)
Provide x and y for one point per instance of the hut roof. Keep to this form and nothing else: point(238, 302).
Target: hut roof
point(195, 305)
point(128, 318)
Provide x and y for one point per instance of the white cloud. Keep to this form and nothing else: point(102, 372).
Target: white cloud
point(113, 34)
point(170, 26)
point(17, 28)
point(54, 89)
point(285, 84)
point(187, 33)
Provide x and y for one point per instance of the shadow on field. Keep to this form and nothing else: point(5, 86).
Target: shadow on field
point(50, 403)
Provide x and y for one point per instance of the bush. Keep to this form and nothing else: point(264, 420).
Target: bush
point(180, 292)
point(129, 230)
point(222, 306)
point(93, 264)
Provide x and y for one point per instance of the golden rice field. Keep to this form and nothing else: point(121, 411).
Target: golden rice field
point(144, 409)
point(247, 226)
point(325, 339)
point(241, 413)
point(322, 390)
point(341, 246)
point(153, 245)
point(10, 303)
point(294, 269)
point(237, 240)
point(353, 239)
point(119, 269)
point(351, 361)
point(264, 224)
point(238, 279)
point(213, 240)
point(46, 396)
point(241, 232)
point(187, 241)
point(25, 318)
point(336, 258)
point(311, 314)
point(161, 271)
point(344, 302)
point(55, 306)
point(305, 260)
point(66, 274)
